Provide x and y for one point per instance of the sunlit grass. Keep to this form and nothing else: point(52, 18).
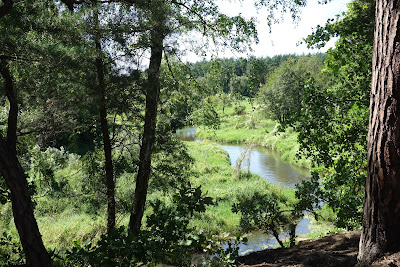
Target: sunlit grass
point(253, 128)
point(61, 230)
point(218, 181)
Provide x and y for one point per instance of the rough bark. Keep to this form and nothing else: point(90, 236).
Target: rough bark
point(149, 133)
point(12, 172)
point(109, 168)
point(381, 219)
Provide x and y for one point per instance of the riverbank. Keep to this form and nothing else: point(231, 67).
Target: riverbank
point(216, 177)
point(333, 250)
point(249, 126)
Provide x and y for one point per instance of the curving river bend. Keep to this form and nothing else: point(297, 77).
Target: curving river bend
point(271, 168)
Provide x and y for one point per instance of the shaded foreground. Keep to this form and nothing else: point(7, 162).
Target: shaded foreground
point(332, 250)
point(338, 250)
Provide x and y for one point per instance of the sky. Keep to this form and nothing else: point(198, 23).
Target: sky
point(282, 38)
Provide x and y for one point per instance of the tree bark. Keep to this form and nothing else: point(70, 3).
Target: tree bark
point(14, 175)
point(381, 219)
point(149, 133)
point(109, 168)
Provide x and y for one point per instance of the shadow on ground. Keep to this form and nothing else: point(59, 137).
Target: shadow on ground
point(328, 251)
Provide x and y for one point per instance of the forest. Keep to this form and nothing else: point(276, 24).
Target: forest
point(95, 93)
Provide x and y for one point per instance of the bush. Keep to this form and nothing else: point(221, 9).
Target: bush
point(10, 251)
point(267, 211)
point(167, 239)
point(240, 110)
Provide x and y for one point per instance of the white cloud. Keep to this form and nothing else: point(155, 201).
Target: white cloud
point(282, 38)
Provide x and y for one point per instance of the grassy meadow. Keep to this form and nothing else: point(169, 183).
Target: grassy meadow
point(251, 127)
point(65, 219)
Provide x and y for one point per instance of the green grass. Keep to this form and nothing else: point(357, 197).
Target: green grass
point(252, 127)
point(217, 179)
point(61, 230)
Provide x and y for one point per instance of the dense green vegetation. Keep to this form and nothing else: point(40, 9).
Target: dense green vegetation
point(252, 126)
point(333, 124)
point(70, 216)
point(87, 149)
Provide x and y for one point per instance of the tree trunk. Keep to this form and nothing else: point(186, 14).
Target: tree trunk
point(276, 235)
point(12, 172)
point(149, 133)
point(292, 234)
point(381, 219)
point(109, 168)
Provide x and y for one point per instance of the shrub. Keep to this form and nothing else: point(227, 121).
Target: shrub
point(269, 212)
point(239, 110)
point(168, 238)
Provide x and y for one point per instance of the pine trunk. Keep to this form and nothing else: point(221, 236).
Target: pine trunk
point(12, 172)
point(149, 133)
point(381, 219)
point(109, 168)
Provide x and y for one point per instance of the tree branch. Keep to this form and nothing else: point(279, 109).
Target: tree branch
point(16, 58)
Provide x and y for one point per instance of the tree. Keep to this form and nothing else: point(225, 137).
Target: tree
point(284, 91)
point(101, 89)
point(333, 121)
point(381, 218)
point(239, 85)
point(12, 172)
point(159, 14)
point(24, 21)
point(106, 26)
point(166, 17)
point(269, 210)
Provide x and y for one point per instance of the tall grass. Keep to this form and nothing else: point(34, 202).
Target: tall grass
point(217, 179)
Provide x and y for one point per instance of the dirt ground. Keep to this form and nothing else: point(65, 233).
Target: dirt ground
point(338, 250)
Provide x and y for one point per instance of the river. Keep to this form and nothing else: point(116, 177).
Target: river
point(271, 168)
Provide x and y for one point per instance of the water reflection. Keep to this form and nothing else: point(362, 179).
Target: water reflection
point(268, 165)
point(258, 240)
point(186, 133)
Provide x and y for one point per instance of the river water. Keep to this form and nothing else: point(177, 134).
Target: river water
point(271, 168)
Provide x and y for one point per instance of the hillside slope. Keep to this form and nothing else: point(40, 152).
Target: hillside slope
point(328, 251)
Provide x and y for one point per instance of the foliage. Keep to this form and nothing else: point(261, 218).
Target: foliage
point(333, 122)
point(207, 115)
point(10, 251)
point(43, 166)
point(241, 77)
point(283, 92)
point(167, 239)
point(268, 211)
point(239, 85)
point(239, 110)
point(53, 55)
point(3, 191)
